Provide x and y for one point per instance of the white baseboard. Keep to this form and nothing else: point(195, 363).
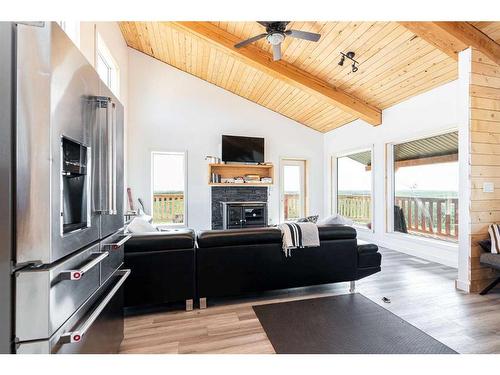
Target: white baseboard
point(462, 285)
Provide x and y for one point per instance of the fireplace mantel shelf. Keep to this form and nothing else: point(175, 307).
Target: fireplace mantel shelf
point(240, 170)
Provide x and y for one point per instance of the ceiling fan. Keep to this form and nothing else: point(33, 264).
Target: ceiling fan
point(275, 35)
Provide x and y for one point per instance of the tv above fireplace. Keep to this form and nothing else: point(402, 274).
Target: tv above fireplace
point(242, 149)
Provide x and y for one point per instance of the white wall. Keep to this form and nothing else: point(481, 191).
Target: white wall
point(113, 38)
point(429, 113)
point(170, 110)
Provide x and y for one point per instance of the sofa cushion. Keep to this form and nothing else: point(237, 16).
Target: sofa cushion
point(140, 225)
point(329, 232)
point(236, 237)
point(308, 219)
point(491, 260)
point(157, 241)
point(335, 219)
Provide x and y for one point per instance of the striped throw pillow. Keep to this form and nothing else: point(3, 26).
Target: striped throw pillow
point(494, 231)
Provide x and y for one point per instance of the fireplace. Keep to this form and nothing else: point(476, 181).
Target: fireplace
point(244, 215)
point(236, 194)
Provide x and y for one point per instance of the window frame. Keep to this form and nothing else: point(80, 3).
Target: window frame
point(103, 53)
point(72, 30)
point(335, 187)
point(305, 177)
point(185, 156)
point(391, 189)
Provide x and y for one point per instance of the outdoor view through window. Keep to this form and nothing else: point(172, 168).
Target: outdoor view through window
point(293, 189)
point(354, 187)
point(168, 187)
point(426, 187)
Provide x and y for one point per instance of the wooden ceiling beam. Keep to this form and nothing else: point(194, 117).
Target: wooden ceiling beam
point(263, 61)
point(453, 37)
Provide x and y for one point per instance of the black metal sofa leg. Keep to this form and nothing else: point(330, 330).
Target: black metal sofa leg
point(489, 287)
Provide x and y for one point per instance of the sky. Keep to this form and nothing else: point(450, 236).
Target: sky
point(441, 177)
point(168, 172)
point(291, 177)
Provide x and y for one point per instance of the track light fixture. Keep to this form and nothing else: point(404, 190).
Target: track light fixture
point(349, 55)
point(342, 59)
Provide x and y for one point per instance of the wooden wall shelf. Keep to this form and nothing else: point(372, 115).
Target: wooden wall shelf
point(240, 170)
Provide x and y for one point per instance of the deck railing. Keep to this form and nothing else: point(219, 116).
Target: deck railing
point(356, 207)
point(430, 216)
point(168, 208)
point(434, 217)
point(291, 206)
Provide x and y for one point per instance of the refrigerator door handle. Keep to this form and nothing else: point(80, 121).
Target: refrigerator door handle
point(113, 207)
point(105, 161)
point(77, 335)
point(77, 274)
point(117, 245)
point(109, 157)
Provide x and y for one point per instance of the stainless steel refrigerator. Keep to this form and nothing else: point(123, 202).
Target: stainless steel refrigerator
point(67, 197)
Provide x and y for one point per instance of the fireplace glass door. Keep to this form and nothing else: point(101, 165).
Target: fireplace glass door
point(254, 216)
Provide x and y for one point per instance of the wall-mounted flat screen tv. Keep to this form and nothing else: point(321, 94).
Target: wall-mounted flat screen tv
point(242, 149)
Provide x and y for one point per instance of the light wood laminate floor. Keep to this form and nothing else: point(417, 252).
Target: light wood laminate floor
point(421, 292)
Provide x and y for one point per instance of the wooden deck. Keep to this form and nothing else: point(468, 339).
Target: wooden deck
point(422, 293)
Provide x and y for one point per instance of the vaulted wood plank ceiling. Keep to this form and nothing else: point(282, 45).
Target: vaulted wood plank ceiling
point(395, 65)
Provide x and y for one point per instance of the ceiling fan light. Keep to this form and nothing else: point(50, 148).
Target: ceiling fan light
point(275, 38)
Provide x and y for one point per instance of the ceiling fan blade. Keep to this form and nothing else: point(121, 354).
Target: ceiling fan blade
point(277, 52)
point(263, 23)
point(251, 40)
point(313, 37)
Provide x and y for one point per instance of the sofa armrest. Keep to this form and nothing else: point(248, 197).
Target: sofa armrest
point(367, 249)
point(369, 257)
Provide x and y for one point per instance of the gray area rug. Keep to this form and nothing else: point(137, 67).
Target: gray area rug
point(346, 324)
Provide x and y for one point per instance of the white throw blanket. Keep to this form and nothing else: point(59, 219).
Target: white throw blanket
point(299, 235)
point(494, 231)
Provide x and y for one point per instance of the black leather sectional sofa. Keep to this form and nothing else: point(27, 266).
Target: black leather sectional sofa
point(170, 266)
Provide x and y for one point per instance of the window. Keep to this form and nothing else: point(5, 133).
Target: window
point(425, 181)
point(293, 189)
point(354, 187)
point(169, 187)
point(72, 29)
point(106, 66)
